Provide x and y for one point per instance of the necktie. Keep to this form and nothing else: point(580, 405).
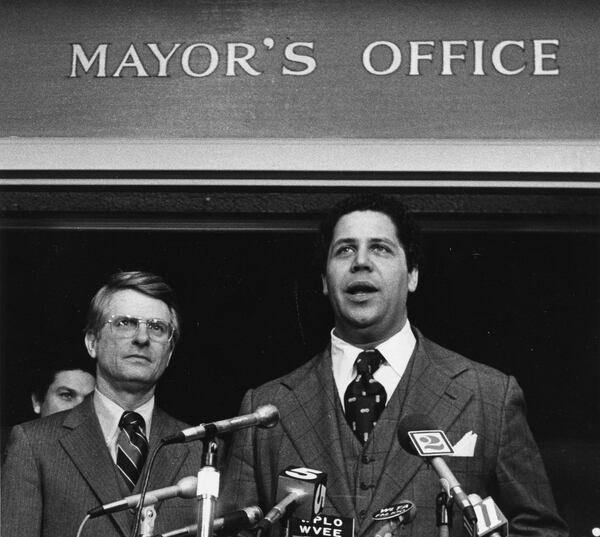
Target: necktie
point(132, 447)
point(365, 398)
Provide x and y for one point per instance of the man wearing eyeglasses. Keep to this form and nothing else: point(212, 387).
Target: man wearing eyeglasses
point(61, 466)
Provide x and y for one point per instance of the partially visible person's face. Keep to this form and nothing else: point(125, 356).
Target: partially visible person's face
point(135, 362)
point(67, 390)
point(366, 278)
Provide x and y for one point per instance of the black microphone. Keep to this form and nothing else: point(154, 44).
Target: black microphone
point(264, 416)
point(402, 513)
point(185, 488)
point(394, 516)
point(418, 423)
point(301, 490)
point(236, 520)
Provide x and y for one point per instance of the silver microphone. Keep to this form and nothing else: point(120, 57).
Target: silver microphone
point(264, 416)
point(236, 520)
point(185, 488)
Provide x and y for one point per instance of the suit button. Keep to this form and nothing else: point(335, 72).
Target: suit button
point(364, 486)
point(362, 513)
point(366, 459)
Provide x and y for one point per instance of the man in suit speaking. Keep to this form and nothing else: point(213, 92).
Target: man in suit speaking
point(59, 467)
point(339, 412)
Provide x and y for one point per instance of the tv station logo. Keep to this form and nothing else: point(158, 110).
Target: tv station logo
point(431, 443)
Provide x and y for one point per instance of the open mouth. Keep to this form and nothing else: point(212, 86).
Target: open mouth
point(360, 288)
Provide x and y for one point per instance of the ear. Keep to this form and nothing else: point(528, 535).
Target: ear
point(170, 355)
point(91, 343)
point(324, 282)
point(413, 280)
point(37, 406)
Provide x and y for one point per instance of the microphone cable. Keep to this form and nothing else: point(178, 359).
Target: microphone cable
point(146, 474)
point(80, 530)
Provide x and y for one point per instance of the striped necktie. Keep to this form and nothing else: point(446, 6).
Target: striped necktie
point(365, 398)
point(132, 447)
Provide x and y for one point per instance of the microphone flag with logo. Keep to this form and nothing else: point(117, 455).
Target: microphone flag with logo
point(301, 492)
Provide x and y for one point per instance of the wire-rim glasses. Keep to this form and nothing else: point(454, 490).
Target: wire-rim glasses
point(126, 326)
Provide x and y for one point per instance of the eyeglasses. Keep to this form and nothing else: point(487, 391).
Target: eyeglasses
point(126, 326)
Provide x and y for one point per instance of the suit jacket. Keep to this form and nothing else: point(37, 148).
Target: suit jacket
point(57, 468)
point(458, 394)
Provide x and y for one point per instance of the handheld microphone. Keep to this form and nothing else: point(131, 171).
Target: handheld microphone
point(490, 520)
point(264, 416)
point(185, 488)
point(402, 513)
point(394, 517)
point(236, 520)
point(301, 490)
point(433, 440)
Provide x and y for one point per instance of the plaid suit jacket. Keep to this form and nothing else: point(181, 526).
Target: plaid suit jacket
point(458, 394)
point(58, 467)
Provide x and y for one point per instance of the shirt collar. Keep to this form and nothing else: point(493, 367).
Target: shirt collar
point(109, 414)
point(397, 350)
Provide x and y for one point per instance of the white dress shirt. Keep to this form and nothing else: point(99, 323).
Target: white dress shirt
point(396, 350)
point(109, 414)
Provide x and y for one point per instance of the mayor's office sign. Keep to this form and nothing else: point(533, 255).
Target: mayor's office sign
point(452, 57)
point(341, 69)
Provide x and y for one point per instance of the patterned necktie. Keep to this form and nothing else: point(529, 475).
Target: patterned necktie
point(365, 398)
point(132, 447)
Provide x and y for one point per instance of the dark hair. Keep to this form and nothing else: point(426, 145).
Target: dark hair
point(407, 230)
point(45, 375)
point(144, 282)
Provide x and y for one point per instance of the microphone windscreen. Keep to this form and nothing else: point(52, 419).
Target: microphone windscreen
point(413, 422)
point(268, 416)
point(188, 487)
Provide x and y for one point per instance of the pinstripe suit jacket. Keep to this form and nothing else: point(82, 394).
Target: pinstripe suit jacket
point(58, 467)
point(458, 394)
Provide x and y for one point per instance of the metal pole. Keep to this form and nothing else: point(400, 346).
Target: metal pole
point(208, 490)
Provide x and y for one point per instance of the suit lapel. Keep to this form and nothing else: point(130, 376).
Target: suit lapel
point(310, 410)
point(170, 458)
point(87, 449)
point(431, 391)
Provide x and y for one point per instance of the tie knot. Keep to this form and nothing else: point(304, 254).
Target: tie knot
point(132, 420)
point(368, 361)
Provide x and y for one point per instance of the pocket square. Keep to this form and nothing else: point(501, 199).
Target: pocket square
point(465, 447)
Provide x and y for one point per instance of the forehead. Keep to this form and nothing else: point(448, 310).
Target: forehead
point(74, 378)
point(134, 303)
point(365, 225)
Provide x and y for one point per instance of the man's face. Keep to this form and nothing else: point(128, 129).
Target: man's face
point(135, 362)
point(67, 390)
point(366, 278)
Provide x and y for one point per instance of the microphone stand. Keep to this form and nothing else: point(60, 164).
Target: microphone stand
point(443, 513)
point(148, 521)
point(208, 488)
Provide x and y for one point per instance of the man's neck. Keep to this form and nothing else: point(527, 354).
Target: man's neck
point(365, 339)
point(368, 344)
point(127, 399)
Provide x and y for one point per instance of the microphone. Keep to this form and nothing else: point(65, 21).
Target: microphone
point(264, 416)
point(432, 440)
point(490, 520)
point(443, 510)
point(394, 517)
point(185, 488)
point(301, 490)
point(236, 520)
point(402, 513)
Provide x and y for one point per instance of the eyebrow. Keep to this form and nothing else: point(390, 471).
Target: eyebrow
point(371, 240)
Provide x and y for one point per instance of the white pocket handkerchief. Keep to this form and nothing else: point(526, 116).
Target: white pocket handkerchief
point(465, 447)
